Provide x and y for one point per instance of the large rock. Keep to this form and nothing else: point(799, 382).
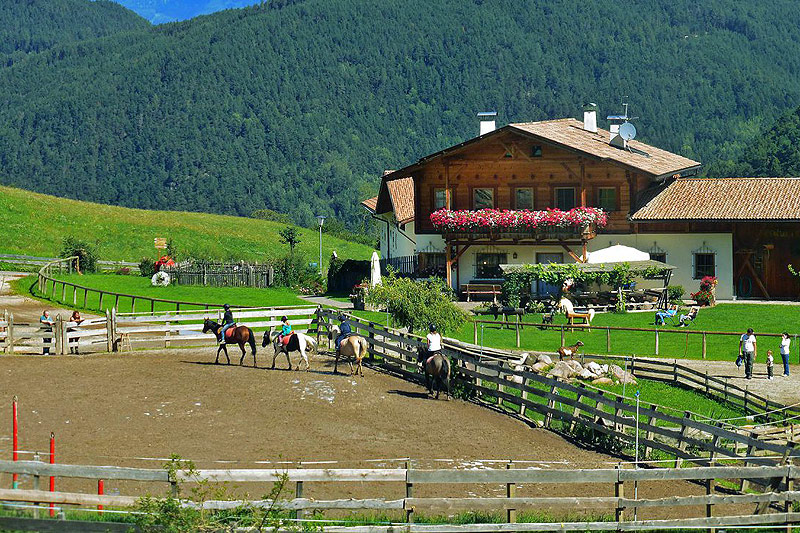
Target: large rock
point(561, 371)
point(540, 367)
point(622, 376)
point(544, 358)
point(587, 374)
point(575, 365)
point(594, 367)
point(603, 381)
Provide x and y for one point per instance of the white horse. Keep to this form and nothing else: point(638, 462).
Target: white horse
point(299, 342)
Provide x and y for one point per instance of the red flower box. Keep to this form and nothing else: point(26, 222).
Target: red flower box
point(485, 220)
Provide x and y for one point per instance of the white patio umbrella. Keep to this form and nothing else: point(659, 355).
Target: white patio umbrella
point(617, 254)
point(374, 270)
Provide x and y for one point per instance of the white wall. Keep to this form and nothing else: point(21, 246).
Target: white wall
point(679, 248)
point(400, 242)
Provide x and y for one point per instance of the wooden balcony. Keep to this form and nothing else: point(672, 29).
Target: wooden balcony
point(553, 234)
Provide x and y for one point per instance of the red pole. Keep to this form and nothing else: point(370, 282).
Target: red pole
point(15, 442)
point(100, 492)
point(52, 479)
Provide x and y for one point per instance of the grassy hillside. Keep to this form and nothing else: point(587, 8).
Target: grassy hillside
point(299, 105)
point(35, 224)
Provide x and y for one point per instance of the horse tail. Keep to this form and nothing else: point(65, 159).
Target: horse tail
point(251, 338)
point(364, 345)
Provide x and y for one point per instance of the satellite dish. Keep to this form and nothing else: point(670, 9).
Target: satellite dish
point(627, 131)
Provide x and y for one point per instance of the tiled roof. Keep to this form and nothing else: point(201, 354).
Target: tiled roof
point(401, 191)
point(724, 199)
point(370, 203)
point(569, 133)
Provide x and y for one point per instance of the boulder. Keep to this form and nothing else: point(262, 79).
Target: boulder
point(544, 359)
point(621, 376)
point(575, 365)
point(594, 367)
point(587, 374)
point(603, 381)
point(540, 367)
point(561, 371)
point(604, 369)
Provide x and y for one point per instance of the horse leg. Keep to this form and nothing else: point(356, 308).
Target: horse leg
point(225, 349)
point(274, 356)
point(219, 349)
point(287, 359)
point(241, 347)
point(305, 360)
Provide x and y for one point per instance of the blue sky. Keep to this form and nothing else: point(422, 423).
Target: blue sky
point(159, 11)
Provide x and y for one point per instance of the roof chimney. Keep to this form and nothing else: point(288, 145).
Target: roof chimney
point(590, 117)
point(487, 119)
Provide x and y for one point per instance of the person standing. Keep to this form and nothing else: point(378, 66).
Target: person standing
point(76, 319)
point(770, 365)
point(785, 343)
point(47, 329)
point(748, 349)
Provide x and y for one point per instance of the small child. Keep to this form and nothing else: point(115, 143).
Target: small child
point(770, 362)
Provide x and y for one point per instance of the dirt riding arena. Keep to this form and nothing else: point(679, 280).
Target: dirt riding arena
point(135, 409)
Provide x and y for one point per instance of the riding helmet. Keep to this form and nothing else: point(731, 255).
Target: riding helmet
point(342, 318)
point(226, 306)
point(432, 328)
point(284, 319)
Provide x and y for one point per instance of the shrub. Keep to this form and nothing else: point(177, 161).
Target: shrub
point(123, 271)
point(675, 294)
point(73, 247)
point(147, 267)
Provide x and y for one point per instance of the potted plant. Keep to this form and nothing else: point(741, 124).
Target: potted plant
point(707, 293)
point(359, 296)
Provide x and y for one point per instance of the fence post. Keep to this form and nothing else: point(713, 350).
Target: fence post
point(100, 305)
point(707, 383)
point(511, 490)
point(517, 325)
point(675, 370)
point(58, 329)
point(74, 296)
point(10, 334)
point(608, 339)
point(619, 492)
point(36, 487)
point(298, 492)
point(371, 341)
point(409, 494)
point(710, 483)
point(704, 345)
point(474, 332)
point(562, 335)
point(85, 297)
point(656, 330)
point(681, 439)
point(64, 334)
point(109, 332)
point(649, 435)
point(63, 292)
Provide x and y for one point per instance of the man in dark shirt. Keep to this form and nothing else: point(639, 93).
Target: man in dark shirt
point(344, 331)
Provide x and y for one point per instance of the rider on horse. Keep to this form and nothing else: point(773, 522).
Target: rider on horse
point(286, 331)
point(227, 322)
point(434, 341)
point(344, 331)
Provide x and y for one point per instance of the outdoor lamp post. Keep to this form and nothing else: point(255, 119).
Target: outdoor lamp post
point(321, 220)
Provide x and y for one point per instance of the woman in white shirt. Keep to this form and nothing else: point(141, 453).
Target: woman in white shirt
point(434, 340)
point(785, 342)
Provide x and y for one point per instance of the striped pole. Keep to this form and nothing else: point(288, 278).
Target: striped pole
point(15, 441)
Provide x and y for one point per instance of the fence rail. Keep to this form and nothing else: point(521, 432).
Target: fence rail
point(774, 504)
point(31, 260)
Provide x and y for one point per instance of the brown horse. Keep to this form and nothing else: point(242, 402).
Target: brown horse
point(240, 335)
point(437, 369)
point(355, 347)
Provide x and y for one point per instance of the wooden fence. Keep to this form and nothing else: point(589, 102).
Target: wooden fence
point(655, 333)
point(124, 331)
point(78, 296)
point(222, 274)
point(716, 508)
point(574, 409)
point(31, 261)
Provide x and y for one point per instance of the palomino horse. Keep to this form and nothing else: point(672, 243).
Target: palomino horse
point(240, 335)
point(355, 347)
point(298, 342)
point(437, 369)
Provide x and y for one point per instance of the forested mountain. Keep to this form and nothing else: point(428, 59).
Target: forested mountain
point(36, 25)
point(298, 105)
point(775, 152)
point(160, 11)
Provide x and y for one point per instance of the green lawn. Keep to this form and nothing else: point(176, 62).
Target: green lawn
point(36, 224)
point(140, 286)
point(673, 341)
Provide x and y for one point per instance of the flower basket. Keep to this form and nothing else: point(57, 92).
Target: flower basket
point(548, 224)
point(706, 296)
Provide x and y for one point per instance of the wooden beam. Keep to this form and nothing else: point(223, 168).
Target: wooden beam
point(571, 253)
point(570, 172)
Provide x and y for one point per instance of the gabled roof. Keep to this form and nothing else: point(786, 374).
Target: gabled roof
point(569, 133)
point(370, 204)
point(724, 199)
point(395, 196)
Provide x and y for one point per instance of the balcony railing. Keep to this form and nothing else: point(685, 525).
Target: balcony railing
point(537, 234)
point(411, 266)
